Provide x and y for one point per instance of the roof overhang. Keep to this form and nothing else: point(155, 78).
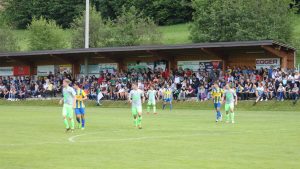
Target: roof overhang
point(150, 48)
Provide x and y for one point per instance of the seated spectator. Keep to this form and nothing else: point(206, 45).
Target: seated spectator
point(12, 94)
point(190, 92)
point(259, 92)
point(92, 94)
point(280, 92)
point(182, 94)
point(246, 91)
point(295, 93)
point(240, 92)
point(201, 94)
point(271, 90)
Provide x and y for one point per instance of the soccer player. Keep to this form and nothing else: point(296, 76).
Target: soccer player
point(167, 96)
point(136, 97)
point(151, 94)
point(80, 107)
point(217, 96)
point(230, 99)
point(69, 103)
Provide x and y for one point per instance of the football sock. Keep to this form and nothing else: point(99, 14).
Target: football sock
point(135, 122)
point(154, 109)
point(171, 106)
point(227, 116)
point(218, 114)
point(164, 106)
point(66, 123)
point(232, 116)
point(78, 119)
point(83, 122)
point(148, 109)
point(72, 123)
point(140, 120)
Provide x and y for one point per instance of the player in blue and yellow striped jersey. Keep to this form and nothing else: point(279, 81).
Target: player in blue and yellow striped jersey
point(167, 97)
point(79, 106)
point(216, 94)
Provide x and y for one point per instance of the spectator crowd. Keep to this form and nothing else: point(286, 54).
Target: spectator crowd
point(249, 83)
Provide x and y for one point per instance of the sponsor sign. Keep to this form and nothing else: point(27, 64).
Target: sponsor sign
point(21, 70)
point(45, 70)
point(268, 63)
point(65, 69)
point(110, 67)
point(140, 65)
point(92, 69)
point(202, 65)
point(6, 71)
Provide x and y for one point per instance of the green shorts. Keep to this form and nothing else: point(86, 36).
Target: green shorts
point(151, 103)
point(229, 106)
point(136, 109)
point(67, 111)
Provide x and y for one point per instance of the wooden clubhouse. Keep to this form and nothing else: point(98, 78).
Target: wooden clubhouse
point(194, 56)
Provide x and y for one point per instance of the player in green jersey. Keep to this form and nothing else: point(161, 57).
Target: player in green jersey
point(136, 98)
point(69, 102)
point(151, 95)
point(230, 99)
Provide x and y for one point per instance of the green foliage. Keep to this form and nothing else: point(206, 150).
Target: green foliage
point(8, 41)
point(296, 36)
point(226, 20)
point(128, 29)
point(21, 12)
point(45, 35)
point(163, 12)
point(297, 5)
point(99, 31)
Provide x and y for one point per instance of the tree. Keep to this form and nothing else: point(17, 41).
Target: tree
point(21, 12)
point(130, 28)
point(100, 33)
point(8, 42)
point(163, 12)
point(226, 20)
point(45, 35)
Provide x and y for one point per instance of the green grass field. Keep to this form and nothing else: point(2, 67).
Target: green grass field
point(33, 137)
point(175, 34)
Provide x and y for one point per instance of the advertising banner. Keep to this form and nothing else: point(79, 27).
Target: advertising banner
point(92, 69)
point(161, 65)
point(202, 65)
point(21, 70)
point(45, 70)
point(140, 65)
point(6, 71)
point(65, 69)
point(110, 67)
point(268, 63)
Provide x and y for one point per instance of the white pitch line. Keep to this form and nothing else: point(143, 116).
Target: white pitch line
point(73, 138)
point(140, 138)
point(34, 144)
